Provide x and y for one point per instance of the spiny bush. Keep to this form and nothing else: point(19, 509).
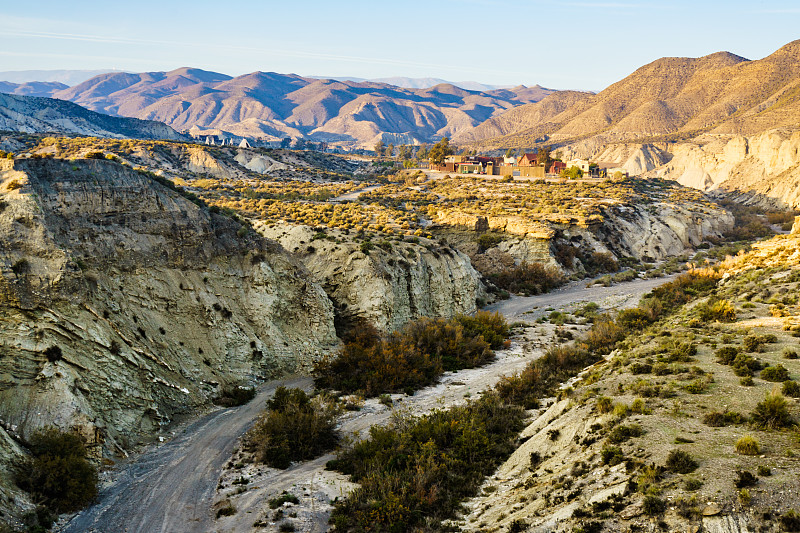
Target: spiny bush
point(417, 471)
point(744, 479)
point(753, 343)
point(528, 278)
point(413, 357)
point(541, 377)
point(612, 455)
point(772, 413)
point(791, 389)
point(653, 505)
point(719, 310)
point(726, 355)
point(777, 373)
point(622, 433)
point(680, 462)
point(59, 474)
point(294, 428)
point(718, 419)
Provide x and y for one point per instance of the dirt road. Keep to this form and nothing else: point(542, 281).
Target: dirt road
point(169, 489)
point(575, 294)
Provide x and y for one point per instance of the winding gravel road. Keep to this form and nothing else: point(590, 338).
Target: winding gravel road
point(171, 488)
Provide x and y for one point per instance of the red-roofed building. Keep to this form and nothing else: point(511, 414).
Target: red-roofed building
point(528, 160)
point(557, 167)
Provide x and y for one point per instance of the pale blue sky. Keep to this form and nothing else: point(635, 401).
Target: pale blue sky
point(582, 44)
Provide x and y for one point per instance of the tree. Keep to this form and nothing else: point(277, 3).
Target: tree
point(439, 151)
point(390, 150)
point(573, 173)
point(404, 152)
point(286, 142)
point(422, 152)
point(511, 153)
point(379, 148)
point(544, 156)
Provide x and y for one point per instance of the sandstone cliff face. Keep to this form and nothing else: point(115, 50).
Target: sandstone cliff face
point(767, 165)
point(656, 231)
point(150, 301)
point(387, 287)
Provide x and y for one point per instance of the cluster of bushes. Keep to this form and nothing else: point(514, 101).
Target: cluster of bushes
point(412, 358)
point(234, 394)
point(416, 472)
point(541, 377)
point(295, 427)
point(528, 278)
point(58, 474)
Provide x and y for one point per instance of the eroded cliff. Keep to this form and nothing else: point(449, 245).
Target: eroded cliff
point(126, 305)
point(388, 284)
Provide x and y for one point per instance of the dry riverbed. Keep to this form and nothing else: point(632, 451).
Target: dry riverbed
point(179, 485)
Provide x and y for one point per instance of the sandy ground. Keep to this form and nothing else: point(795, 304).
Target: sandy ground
point(174, 487)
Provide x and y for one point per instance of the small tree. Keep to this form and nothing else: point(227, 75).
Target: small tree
point(440, 151)
point(390, 150)
point(572, 173)
point(379, 146)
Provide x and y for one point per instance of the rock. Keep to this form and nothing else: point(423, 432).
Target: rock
point(711, 509)
point(387, 287)
point(796, 226)
point(152, 301)
point(725, 524)
point(633, 510)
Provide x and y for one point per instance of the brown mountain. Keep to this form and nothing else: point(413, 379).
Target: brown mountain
point(269, 105)
point(667, 99)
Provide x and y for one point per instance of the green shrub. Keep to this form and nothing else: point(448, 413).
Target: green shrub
point(611, 455)
point(528, 278)
point(764, 471)
point(692, 484)
point(53, 353)
point(285, 497)
point(653, 505)
point(753, 343)
point(59, 475)
point(791, 389)
point(726, 355)
point(411, 358)
point(776, 373)
point(717, 419)
point(747, 445)
point(622, 433)
point(744, 479)
point(680, 462)
point(789, 353)
point(294, 428)
point(604, 405)
point(772, 413)
point(418, 471)
point(541, 377)
point(719, 310)
point(634, 319)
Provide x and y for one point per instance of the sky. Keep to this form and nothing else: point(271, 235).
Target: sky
point(581, 44)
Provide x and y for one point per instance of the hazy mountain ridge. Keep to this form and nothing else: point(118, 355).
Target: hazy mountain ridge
point(48, 115)
point(271, 105)
point(33, 88)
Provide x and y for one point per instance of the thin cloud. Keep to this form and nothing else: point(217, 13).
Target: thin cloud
point(235, 48)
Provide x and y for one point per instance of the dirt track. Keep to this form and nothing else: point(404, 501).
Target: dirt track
point(171, 488)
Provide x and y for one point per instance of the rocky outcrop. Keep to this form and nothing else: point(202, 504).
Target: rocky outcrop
point(126, 306)
point(766, 164)
point(259, 163)
point(33, 114)
point(388, 284)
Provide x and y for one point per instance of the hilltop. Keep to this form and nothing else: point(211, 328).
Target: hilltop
point(671, 98)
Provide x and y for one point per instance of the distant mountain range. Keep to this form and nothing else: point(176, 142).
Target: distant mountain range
point(66, 77)
point(672, 98)
point(32, 114)
point(421, 83)
point(271, 106)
